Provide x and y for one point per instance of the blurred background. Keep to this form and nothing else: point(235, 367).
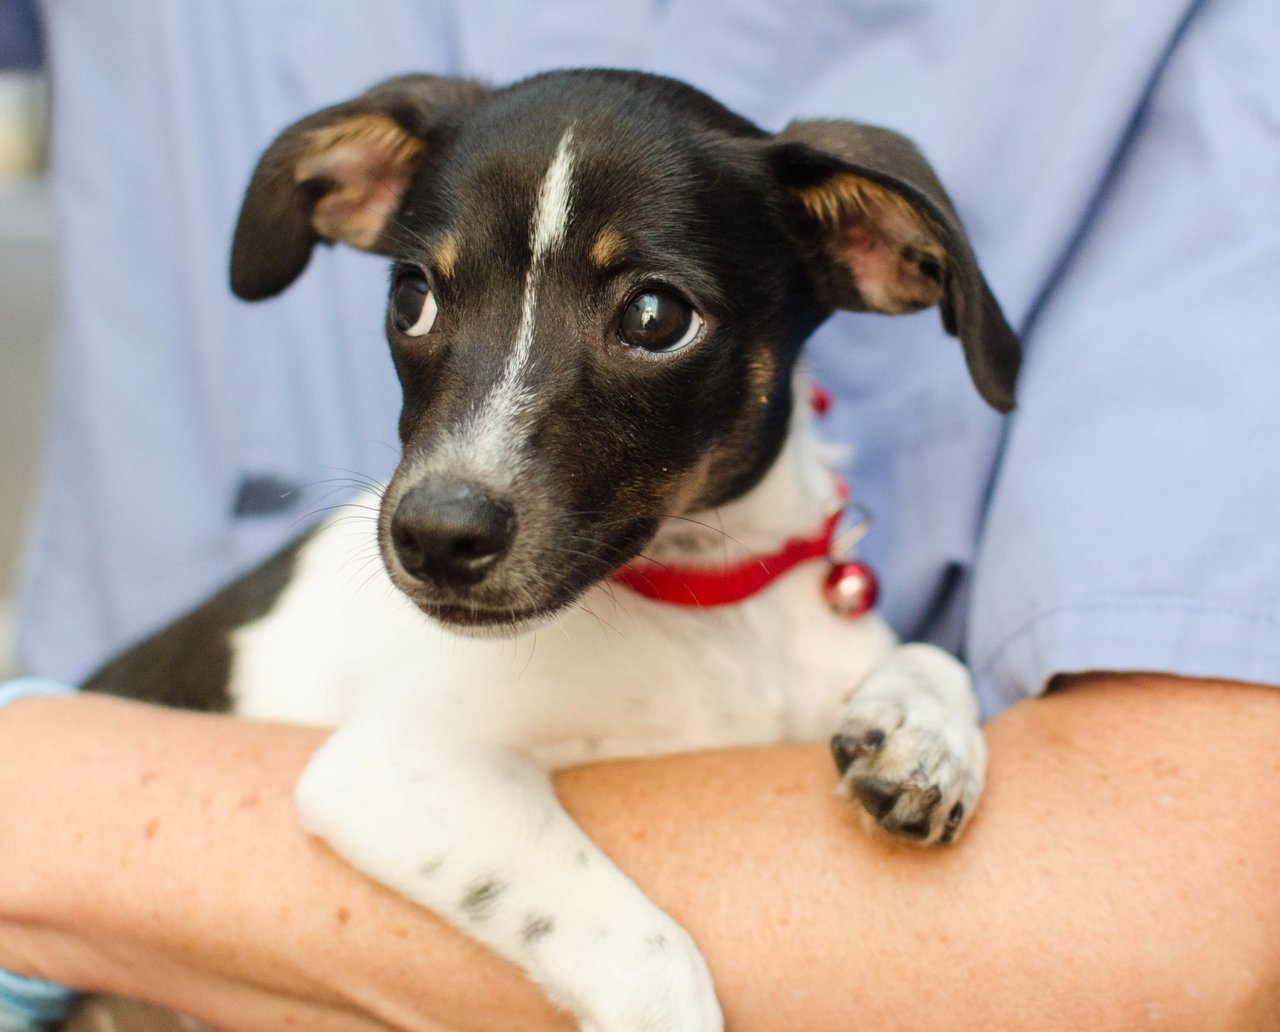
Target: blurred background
point(27, 289)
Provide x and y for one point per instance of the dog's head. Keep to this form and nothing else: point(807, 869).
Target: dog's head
point(600, 284)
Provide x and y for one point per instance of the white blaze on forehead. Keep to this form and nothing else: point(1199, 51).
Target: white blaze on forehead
point(550, 222)
point(489, 440)
point(554, 199)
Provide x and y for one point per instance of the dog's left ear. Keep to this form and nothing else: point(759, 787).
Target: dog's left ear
point(882, 236)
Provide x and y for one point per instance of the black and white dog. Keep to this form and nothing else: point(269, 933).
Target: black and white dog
point(601, 283)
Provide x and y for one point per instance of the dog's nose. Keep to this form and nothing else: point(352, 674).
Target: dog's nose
point(450, 533)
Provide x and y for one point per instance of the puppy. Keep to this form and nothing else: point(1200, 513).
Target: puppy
point(610, 483)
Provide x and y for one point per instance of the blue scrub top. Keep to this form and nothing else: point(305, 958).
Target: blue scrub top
point(1117, 166)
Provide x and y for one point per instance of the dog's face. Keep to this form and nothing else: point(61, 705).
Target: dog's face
point(600, 284)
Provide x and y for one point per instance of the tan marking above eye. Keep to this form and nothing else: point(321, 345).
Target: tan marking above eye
point(608, 247)
point(445, 256)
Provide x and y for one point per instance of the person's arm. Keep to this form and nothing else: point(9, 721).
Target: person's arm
point(1123, 871)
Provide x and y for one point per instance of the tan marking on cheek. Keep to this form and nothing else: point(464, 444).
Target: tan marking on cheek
point(369, 161)
point(446, 256)
point(669, 491)
point(761, 372)
point(608, 247)
point(687, 489)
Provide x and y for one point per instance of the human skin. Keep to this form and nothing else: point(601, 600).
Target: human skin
point(1122, 872)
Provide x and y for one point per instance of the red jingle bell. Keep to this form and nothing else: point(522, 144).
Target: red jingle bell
point(851, 589)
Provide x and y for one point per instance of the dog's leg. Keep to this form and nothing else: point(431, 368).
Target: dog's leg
point(422, 800)
point(909, 747)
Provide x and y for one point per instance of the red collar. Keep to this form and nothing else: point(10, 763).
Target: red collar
point(722, 586)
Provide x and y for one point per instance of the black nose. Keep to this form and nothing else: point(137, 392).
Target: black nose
point(450, 533)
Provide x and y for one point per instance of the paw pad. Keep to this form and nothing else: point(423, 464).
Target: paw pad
point(953, 823)
point(847, 748)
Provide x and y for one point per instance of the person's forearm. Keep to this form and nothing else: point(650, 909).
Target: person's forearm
point(157, 854)
point(1123, 870)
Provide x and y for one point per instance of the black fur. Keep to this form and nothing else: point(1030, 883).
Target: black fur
point(537, 928)
point(481, 898)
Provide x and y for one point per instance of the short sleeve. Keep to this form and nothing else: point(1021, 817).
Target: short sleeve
point(1132, 522)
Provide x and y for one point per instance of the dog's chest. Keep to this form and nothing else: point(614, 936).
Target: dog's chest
point(618, 675)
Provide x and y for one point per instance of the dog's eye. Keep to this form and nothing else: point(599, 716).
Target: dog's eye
point(659, 321)
point(413, 306)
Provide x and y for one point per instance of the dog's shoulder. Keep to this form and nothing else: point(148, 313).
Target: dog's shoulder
point(188, 663)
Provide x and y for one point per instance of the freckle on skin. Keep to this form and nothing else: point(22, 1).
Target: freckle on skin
point(148, 777)
point(344, 915)
point(152, 827)
point(249, 801)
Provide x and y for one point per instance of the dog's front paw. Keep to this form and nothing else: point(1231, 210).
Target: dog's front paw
point(909, 749)
point(662, 986)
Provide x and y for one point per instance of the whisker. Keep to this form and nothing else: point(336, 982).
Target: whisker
point(372, 513)
point(532, 649)
point(587, 609)
point(362, 478)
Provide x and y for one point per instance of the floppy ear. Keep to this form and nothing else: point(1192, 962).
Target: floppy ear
point(338, 175)
point(883, 237)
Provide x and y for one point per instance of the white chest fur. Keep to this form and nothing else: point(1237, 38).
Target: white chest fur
point(617, 675)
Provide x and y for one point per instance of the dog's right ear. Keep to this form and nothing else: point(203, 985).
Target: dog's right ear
point(338, 175)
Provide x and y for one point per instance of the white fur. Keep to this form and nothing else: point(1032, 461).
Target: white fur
point(555, 200)
point(436, 781)
point(491, 444)
point(547, 229)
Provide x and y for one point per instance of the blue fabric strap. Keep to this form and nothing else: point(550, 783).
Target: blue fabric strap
point(31, 1004)
point(28, 687)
